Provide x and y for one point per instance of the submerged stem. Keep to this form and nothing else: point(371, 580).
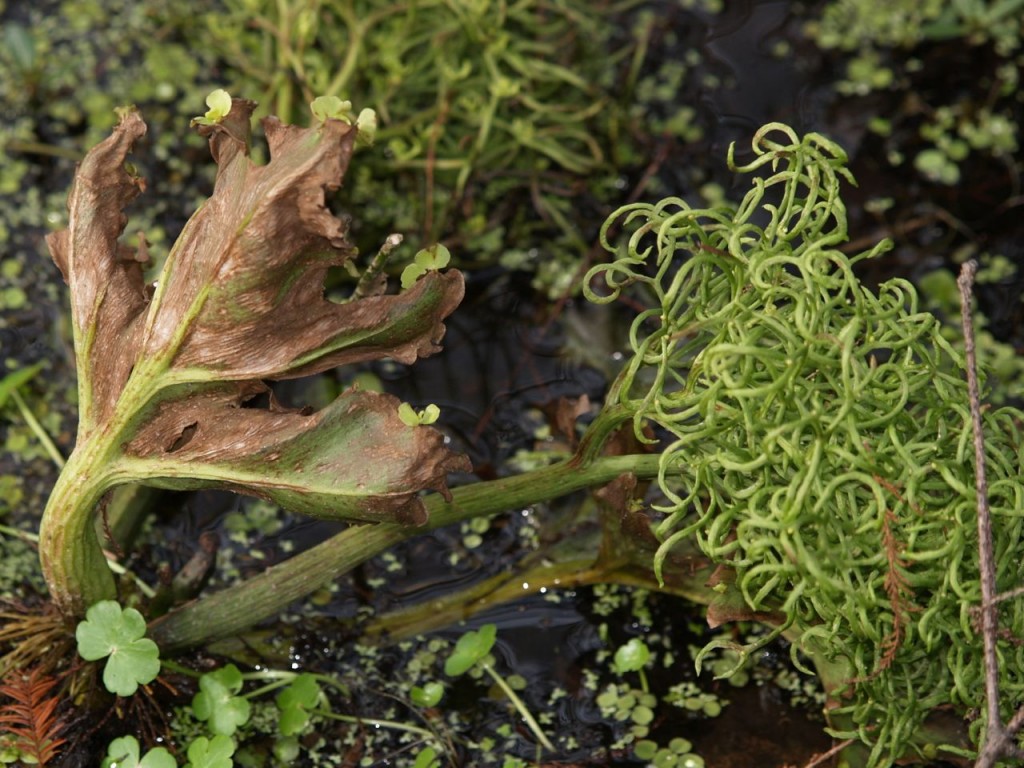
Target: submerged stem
point(236, 608)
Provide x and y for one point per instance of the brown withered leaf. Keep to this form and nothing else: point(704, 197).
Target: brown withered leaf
point(164, 371)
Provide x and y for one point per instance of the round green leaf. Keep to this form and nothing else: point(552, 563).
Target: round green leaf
point(632, 656)
point(469, 649)
point(428, 695)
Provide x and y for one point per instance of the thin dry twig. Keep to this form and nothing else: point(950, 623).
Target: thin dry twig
point(835, 750)
point(998, 739)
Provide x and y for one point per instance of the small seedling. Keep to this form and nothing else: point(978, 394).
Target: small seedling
point(332, 108)
point(124, 753)
point(413, 418)
point(471, 650)
point(426, 260)
point(219, 103)
point(119, 635)
point(218, 701)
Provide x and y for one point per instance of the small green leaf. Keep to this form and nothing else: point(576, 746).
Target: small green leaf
point(331, 108)
point(428, 259)
point(219, 103)
point(118, 634)
point(295, 703)
point(211, 753)
point(366, 123)
point(218, 703)
point(15, 379)
point(632, 656)
point(427, 758)
point(428, 695)
point(433, 257)
point(124, 753)
point(413, 418)
point(469, 649)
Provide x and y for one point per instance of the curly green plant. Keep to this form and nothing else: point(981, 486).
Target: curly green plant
point(818, 444)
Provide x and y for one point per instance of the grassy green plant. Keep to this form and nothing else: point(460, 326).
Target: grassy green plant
point(502, 122)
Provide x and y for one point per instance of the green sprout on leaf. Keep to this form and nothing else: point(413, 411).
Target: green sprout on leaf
point(119, 635)
point(124, 753)
point(217, 700)
point(413, 418)
point(332, 108)
point(426, 260)
point(471, 650)
point(219, 103)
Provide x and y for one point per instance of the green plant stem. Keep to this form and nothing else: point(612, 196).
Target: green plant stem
point(37, 429)
point(72, 559)
point(520, 708)
point(235, 609)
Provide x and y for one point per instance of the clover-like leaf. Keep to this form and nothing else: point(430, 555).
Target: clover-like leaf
point(470, 648)
point(164, 370)
point(211, 753)
point(219, 103)
point(218, 703)
point(119, 635)
point(295, 703)
point(124, 753)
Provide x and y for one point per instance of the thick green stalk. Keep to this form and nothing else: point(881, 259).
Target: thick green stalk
point(72, 559)
point(236, 608)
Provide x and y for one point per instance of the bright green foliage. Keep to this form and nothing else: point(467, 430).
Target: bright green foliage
point(413, 418)
point(331, 107)
point(295, 703)
point(119, 635)
point(489, 112)
point(470, 648)
point(219, 103)
point(428, 695)
point(632, 656)
point(427, 758)
point(15, 379)
point(217, 700)
point(124, 753)
point(818, 443)
point(211, 753)
point(426, 260)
